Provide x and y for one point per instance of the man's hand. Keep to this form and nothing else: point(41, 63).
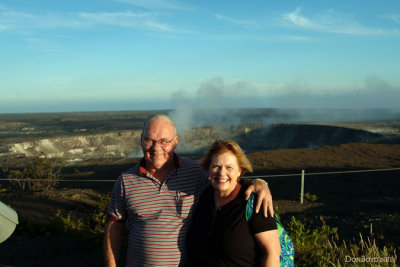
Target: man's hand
point(260, 187)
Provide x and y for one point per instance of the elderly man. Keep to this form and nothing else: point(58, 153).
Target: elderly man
point(157, 198)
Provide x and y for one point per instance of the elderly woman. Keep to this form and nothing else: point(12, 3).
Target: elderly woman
point(220, 235)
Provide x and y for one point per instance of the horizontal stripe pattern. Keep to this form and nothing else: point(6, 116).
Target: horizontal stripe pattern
point(158, 215)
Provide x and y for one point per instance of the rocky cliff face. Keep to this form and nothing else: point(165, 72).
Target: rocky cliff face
point(257, 136)
point(110, 144)
point(117, 144)
point(251, 137)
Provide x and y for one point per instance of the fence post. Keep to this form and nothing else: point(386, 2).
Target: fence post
point(302, 187)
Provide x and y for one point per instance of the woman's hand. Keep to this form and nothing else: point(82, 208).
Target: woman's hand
point(260, 187)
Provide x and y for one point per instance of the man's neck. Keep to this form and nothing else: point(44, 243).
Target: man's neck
point(162, 173)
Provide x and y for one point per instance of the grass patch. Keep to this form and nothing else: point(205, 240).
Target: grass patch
point(75, 223)
point(40, 174)
point(321, 246)
point(310, 197)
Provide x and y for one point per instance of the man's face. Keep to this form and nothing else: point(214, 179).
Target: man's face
point(155, 154)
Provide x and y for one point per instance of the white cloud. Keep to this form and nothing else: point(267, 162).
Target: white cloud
point(297, 19)
point(395, 18)
point(125, 19)
point(235, 21)
point(15, 20)
point(160, 27)
point(155, 4)
point(330, 22)
point(11, 20)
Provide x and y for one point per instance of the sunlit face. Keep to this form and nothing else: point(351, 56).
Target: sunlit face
point(156, 156)
point(224, 172)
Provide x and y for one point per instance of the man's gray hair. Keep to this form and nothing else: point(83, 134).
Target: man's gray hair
point(158, 117)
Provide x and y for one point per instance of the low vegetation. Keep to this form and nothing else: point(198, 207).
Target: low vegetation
point(310, 197)
point(321, 246)
point(40, 174)
point(318, 246)
point(75, 223)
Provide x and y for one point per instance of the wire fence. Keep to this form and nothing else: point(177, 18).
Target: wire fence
point(60, 180)
point(318, 173)
point(302, 174)
point(244, 177)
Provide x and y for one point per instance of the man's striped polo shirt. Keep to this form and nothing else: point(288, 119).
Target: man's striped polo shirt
point(158, 214)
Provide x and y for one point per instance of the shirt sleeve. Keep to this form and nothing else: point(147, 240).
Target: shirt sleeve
point(258, 223)
point(203, 181)
point(116, 208)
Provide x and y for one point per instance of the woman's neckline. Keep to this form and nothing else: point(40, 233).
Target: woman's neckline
point(222, 201)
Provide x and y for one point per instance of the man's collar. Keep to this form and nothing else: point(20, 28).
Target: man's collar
point(142, 164)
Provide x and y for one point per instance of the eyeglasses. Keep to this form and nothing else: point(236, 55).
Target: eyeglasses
point(163, 142)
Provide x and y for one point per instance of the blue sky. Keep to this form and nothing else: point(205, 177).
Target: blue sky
point(142, 54)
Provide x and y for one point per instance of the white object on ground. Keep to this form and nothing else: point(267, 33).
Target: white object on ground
point(8, 221)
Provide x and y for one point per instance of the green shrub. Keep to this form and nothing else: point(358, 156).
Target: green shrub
point(3, 189)
point(319, 247)
point(40, 174)
point(84, 223)
point(70, 223)
point(99, 217)
point(310, 198)
point(311, 246)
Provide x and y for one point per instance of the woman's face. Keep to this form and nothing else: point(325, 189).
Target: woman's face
point(224, 172)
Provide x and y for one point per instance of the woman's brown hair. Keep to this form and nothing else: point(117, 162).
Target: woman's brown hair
point(221, 146)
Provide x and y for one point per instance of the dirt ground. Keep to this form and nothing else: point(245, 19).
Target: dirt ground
point(355, 202)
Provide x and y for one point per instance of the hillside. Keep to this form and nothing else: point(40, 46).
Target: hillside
point(344, 156)
point(353, 202)
point(99, 146)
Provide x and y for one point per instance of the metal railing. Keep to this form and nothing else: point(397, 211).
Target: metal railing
point(302, 174)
